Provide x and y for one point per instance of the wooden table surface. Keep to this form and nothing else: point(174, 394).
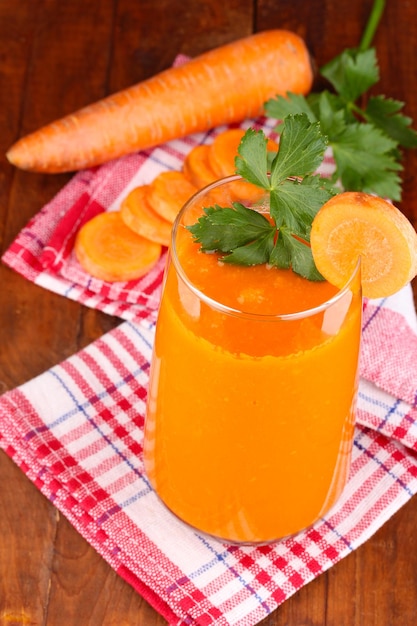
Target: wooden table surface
point(56, 57)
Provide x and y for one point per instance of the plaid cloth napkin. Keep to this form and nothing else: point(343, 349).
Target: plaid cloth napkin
point(76, 431)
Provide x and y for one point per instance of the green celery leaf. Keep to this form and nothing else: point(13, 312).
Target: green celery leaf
point(384, 113)
point(332, 114)
point(270, 155)
point(302, 261)
point(386, 185)
point(280, 106)
point(290, 252)
point(251, 162)
point(301, 149)
point(280, 255)
point(226, 228)
point(365, 161)
point(254, 253)
point(295, 203)
point(333, 101)
point(352, 73)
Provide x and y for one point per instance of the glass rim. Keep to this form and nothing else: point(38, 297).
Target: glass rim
point(224, 308)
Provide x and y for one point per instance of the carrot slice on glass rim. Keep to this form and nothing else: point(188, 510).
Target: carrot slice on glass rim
point(355, 225)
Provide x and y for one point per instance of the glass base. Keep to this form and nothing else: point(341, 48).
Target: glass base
point(236, 542)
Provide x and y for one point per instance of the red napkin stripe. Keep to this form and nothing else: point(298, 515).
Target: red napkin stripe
point(60, 245)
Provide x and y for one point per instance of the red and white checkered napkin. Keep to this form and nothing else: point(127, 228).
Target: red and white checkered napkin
point(76, 430)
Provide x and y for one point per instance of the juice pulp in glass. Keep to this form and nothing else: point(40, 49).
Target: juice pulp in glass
point(252, 392)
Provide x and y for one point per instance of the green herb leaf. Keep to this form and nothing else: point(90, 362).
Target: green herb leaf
point(332, 115)
point(302, 261)
point(280, 107)
point(251, 162)
point(255, 253)
point(362, 153)
point(384, 113)
point(301, 149)
point(280, 254)
point(352, 73)
point(226, 228)
point(295, 203)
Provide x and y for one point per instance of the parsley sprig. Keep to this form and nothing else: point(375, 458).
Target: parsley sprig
point(365, 139)
point(247, 237)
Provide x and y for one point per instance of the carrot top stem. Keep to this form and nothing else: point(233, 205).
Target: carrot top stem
point(372, 24)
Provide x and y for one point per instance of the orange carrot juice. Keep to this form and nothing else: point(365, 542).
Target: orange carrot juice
point(252, 394)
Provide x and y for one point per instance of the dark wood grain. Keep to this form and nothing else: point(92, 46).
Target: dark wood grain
point(56, 57)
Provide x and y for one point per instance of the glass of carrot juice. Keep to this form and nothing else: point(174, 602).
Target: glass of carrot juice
point(252, 392)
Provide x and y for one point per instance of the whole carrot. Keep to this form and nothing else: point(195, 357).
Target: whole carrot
point(225, 85)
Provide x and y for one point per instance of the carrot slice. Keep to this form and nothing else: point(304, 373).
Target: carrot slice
point(169, 192)
point(197, 167)
point(223, 152)
point(138, 215)
point(109, 250)
point(356, 224)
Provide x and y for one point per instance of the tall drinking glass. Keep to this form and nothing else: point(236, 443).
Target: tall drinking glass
point(253, 385)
